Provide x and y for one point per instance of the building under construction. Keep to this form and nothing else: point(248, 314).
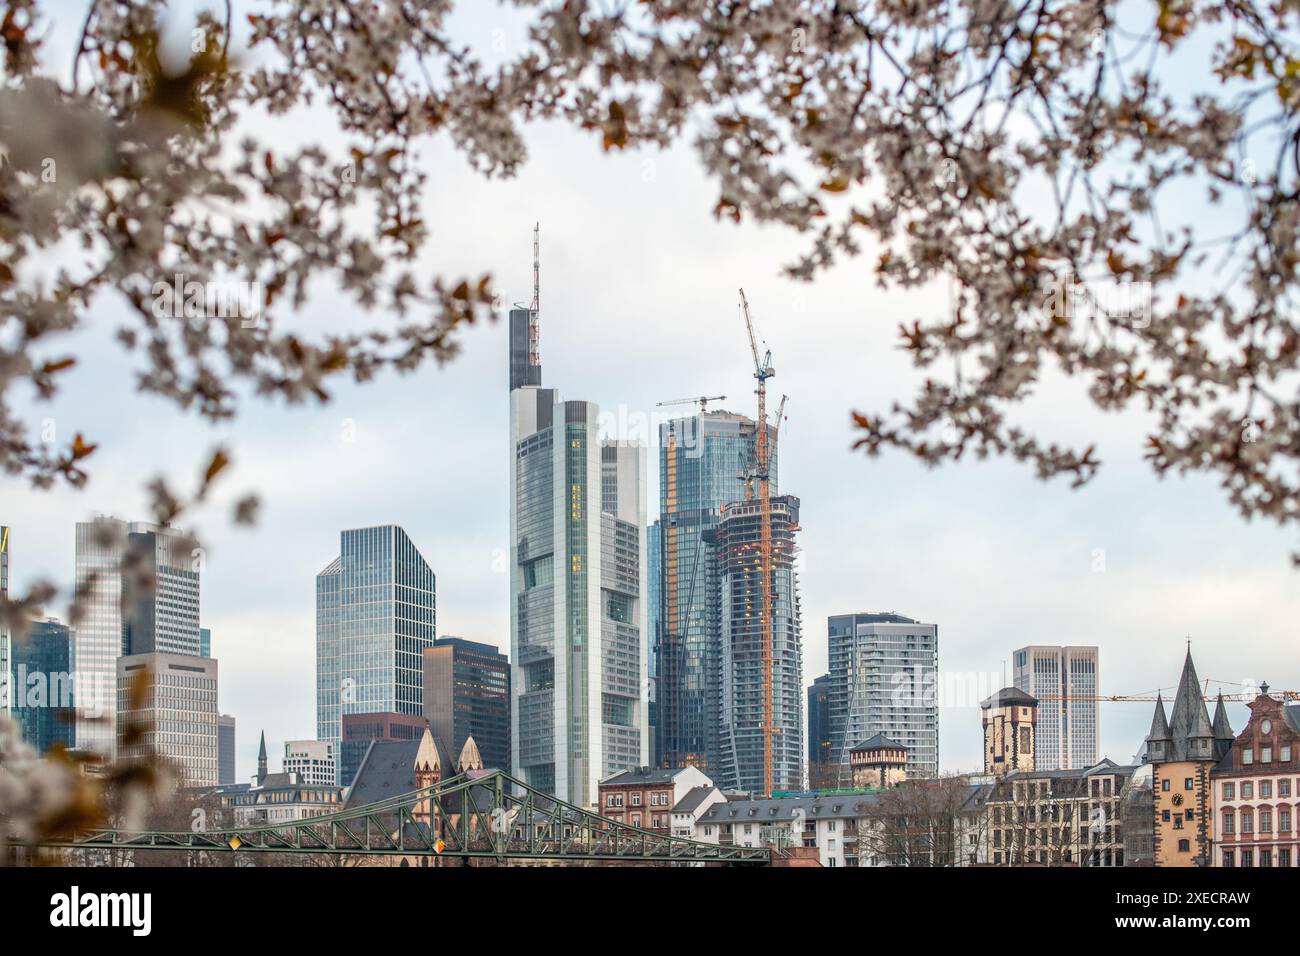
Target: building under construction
point(701, 457)
point(758, 682)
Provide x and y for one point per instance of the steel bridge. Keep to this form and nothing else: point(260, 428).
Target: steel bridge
point(488, 816)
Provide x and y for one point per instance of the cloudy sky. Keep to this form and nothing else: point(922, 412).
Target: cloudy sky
point(638, 306)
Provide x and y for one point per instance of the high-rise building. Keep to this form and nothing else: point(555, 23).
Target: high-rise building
point(205, 642)
point(701, 459)
point(360, 730)
point(174, 718)
point(736, 577)
point(312, 760)
point(654, 581)
point(225, 750)
point(578, 625)
point(42, 694)
point(160, 592)
point(375, 615)
point(819, 735)
point(1064, 679)
point(884, 680)
point(467, 694)
point(141, 594)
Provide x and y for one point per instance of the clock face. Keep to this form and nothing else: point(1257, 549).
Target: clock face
point(1178, 799)
point(1267, 726)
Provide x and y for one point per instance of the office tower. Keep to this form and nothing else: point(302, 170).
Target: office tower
point(42, 692)
point(172, 716)
point(578, 626)
point(1064, 679)
point(312, 760)
point(225, 750)
point(160, 594)
point(701, 459)
point(360, 730)
point(375, 615)
point(654, 581)
point(735, 576)
point(884, 677)
point(467, 694)
point(205, 642)
point(819, 740)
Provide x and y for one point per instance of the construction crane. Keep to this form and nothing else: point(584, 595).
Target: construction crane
point(702, 401)
point(760, 474)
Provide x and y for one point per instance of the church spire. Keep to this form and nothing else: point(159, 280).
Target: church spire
point(261, 760)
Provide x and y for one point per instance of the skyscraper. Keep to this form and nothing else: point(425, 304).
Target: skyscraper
point(1064, 679)
point(160, 594)
point(375, 615)
point(6, 686)
point(578, 625)
point(819, 731)
point(884, 680)
point(700, 462)
point(176, 714)
point(42, 694)
point(735, 578)
point(225, 749)
point(467, 694)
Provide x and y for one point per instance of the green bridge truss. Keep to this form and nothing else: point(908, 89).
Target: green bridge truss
point(490, 816)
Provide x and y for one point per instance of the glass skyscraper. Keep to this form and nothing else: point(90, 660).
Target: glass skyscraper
point(160, 595)
point(375, 614)
point(701, 459)
point(42, 692)
point(578, 624)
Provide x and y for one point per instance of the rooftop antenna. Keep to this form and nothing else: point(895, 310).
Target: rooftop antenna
point(534, 311)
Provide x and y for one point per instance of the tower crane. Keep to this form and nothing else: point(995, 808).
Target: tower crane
point(702, 401)
point(760, 474)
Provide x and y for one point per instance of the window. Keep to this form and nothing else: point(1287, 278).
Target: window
point(1265, 789)
point(1247, 857)
point(1284, 856)
point(1164, 785)
point(1247, 758)
point(1284, 788)
point(1189, 783)
point(1229, 822)
point(1228, 858)
point(1184, 846)
point(1284, 819)
point(1229, 791)
point(636, 799)
point(1286, 753)
point(1247, 822)
point(1265, 756)
point(1248, 791)
point(1265, 822)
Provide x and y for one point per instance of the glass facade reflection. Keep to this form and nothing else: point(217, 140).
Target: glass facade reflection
point(375, 615)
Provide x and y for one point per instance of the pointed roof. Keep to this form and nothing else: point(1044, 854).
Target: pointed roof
point(470, 759)
point(1010, 697)
point(879, 742)
point(1190, 719)
point(426, 755)
point(1222, 729)
point(261, 750)
point(1159, 722)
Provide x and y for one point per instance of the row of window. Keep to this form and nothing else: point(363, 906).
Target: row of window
point(1265, 857)
point(1248, 818)
point(1229, 790)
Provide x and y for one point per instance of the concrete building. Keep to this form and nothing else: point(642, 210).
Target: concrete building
point(226, 774)
point(376, 613)
point(878, 763)
point(1009, 718)
point(41, 691)
point(1183, 751)
point(279, 798)
point(700, 458)
point(737, 579)
point(312, 762)
point(1064, 680)
point(360, 729)
point(167, 709)
point(152, 607)
point(646, 797)
point(884, 675)
point(1257, 786)
point(828, 825)
point(579, 632)
point(467, 694)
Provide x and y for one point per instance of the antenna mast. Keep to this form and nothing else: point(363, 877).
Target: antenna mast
point(534, 311)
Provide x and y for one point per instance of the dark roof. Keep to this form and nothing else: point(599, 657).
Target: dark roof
point(1292, 714)
point(650, 775)
point(693, 798)
point(831, 806)
point(879, 742)
point(387, 770)
point(1010, 697)
point(1190, 720)
point(1222, 729)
